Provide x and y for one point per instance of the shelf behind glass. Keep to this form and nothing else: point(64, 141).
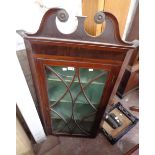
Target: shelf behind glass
point(57, 89)
point(67, 75)
point(72, 128)
point(67, 110)
point(74, 96)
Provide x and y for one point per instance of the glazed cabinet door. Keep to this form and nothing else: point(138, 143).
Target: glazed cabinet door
point(73, 93)
point(74, 74)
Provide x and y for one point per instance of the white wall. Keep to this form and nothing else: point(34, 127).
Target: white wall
point(28, 18)
point(27, 107)
point(30, 15)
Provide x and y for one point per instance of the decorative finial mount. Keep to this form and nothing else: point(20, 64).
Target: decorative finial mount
point(99, 17)
point(48, 28)
point(62, 15)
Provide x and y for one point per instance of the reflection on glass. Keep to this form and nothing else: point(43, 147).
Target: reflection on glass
point(74, 96)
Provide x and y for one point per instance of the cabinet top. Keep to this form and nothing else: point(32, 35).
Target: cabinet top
point(48, 30)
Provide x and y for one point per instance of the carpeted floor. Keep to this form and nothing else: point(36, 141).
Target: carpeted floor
point(84, 146)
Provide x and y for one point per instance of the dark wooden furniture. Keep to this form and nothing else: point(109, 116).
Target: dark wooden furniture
point(133, 151)
point(130, 79)
point(75, 75)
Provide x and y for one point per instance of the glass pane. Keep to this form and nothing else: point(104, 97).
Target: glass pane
point(74, 96)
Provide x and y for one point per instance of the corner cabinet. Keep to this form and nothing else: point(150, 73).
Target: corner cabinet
point(75, 75)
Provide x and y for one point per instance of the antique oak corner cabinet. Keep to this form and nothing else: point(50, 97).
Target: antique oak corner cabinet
point(75, 75)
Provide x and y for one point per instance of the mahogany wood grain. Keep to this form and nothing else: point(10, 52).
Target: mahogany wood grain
point(134, 108)
point(133, 150)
